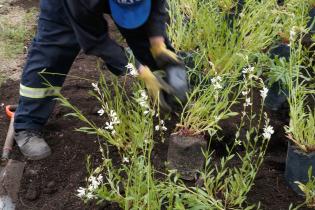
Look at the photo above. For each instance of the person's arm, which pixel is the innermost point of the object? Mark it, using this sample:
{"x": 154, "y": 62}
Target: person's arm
{"x": 156, "y": 25}
{"x": 91, "y": 29}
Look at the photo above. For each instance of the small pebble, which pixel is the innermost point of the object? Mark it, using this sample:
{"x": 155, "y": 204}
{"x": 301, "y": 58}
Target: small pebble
{"x": 51, "y": 184}
{"x": 32, "y": 172}
{"x": 50, "y": 188}
{"x": 47, "y": 190}
{"x": 31, "y": 194}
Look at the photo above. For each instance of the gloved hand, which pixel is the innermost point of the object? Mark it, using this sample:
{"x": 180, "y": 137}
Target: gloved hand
{"x": 175, "y": 70}
{"x": 156, "y": 87}
{"x": 176, "y": 77}
{"x": 163, "y": 56}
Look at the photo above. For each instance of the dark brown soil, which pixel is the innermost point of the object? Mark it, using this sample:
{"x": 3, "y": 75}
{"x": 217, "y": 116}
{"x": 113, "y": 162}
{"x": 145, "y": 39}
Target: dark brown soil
{"x": 51, "y": 184}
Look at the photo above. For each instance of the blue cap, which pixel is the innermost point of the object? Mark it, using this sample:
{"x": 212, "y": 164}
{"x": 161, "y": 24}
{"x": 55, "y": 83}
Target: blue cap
{"x": 130, "y": 14}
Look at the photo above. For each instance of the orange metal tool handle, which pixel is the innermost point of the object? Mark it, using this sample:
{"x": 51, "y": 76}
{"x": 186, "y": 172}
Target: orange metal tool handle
{"x": 9, "y": 110}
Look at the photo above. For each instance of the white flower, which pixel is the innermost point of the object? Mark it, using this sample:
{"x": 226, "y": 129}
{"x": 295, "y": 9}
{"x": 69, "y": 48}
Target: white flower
{"x": 114, "y": 118}
{"x": 247, "y": 102}
{"x": 264, "y": 92}
{"x": 132, "y": 70}
{"x": 238, "y": 142}
{"x": 89, "y": 195}
{"x": 248, "y": 70}
{"x": 116, "y": 121}
{"x": 112, "y": 114}
{"x": 101, "y": 112}
{"x": 109, "y": 126}
{"x": 217, "y": 86}
{"x": 143, "y": 101}
{"x": 217, "y": 118}
{"x": 94, "y": 182}
{"x": 100, "y": 178}
{"x": 143, "y": 104}
{"x": 293, "y": 34}
{"x": 113, "y": 133}
{"x": 96, "y": 88}
{"x": 216, "y": 82}
{"x": 81, "y": 192}
{"x": 125, "y": 160}
{"x": 144, "y": 95}
{"x": 216, "y": 79}
{"x": 268, "y": 131}
{"x": 243, "y": 113}
{"x": 245, "y": 93}
{"x": 161, "y": 126}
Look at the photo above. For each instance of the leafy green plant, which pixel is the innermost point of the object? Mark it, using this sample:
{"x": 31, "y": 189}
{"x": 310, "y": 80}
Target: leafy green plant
{"x": 132, "y": 185}
{"x": 129, "y": 128}
{"x": 224, "y": 57}
{"x": 309, "y": 189}
{"x": 225, "y": 184}
{"x": 208, "y": 105}
{"x": 302, "y": 116}
{"x": 302, "y": 123}
{"x": 128, "y": 120}
{"x": 294, "y": 16}
{"x": 227, "y": 5}
{"x": 200, "y": 26}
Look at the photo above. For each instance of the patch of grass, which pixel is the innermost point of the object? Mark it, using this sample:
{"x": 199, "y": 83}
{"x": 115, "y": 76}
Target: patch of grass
{"x": 15, "y": 32}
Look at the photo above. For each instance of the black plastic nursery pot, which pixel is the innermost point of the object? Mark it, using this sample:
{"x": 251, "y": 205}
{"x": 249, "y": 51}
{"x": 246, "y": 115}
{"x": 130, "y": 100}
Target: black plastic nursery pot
{"x": 298, "y": 163}
{"x": 186, "y": 156}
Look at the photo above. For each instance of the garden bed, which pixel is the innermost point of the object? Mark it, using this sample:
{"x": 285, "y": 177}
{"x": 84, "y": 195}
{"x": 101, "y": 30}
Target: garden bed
{"x": 52, "y": 183}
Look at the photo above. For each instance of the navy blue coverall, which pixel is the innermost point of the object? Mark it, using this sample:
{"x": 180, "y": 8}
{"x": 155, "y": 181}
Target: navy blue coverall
{"x": 64, "y": 28}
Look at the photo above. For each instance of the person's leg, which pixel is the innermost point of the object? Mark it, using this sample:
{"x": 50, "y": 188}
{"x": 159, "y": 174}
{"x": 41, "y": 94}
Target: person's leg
{"x": 53, "y": 50}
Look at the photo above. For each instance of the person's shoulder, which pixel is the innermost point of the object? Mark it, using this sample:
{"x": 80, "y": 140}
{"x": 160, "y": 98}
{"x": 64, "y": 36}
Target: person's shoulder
{"x": 94, "y": 4}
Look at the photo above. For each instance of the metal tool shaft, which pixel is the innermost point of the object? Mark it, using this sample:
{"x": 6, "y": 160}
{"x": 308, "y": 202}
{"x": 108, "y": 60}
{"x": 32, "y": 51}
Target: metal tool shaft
{"x": 8, "y": 141}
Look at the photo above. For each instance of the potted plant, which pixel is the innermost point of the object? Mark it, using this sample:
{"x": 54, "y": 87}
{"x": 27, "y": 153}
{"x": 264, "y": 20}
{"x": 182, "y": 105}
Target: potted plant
{"x": 301, "y": 146}
{"x": 207, "y": 105}
{"x": 300, "y": 131}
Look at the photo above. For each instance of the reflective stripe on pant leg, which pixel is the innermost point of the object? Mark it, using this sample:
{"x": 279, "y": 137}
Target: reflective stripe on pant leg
{"x": 54, "y": 49}
{"x": 39, "y": 92}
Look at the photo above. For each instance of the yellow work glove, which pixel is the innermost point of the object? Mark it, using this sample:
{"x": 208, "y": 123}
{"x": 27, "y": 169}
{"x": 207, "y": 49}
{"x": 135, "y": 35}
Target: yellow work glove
{"x": 155, "y": 86}
{"x": 163, "y": 56}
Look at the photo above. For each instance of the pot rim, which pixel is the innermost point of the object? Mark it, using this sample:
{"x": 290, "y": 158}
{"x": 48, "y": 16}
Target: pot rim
{"x": 304, "y": 148}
